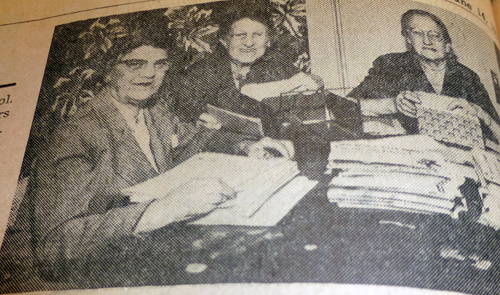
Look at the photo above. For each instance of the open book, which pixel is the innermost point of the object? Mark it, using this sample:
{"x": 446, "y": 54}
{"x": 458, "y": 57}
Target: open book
{"x": 391, "y": 108}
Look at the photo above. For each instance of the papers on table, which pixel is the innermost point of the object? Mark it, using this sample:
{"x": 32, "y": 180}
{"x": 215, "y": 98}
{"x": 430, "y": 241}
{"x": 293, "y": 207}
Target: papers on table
{"x": 408, "y": 173}
{"x": 360, "y": 198}
{"x": 488, "y": 165}
{"x": 398, "y": 150}
{"x": 428, "y": 185}
{"x": 413, "y": 151}
{"x": 414, "y": 192}
{"x": 256, "y": 181}
{"x": 270, "y": 213}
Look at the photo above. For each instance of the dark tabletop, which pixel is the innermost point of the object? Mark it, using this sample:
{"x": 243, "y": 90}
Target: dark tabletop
{"x": 315, "y": 242}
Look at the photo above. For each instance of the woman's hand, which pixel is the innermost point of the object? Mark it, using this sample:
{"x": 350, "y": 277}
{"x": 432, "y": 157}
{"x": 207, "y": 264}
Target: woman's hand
{"x": 406, "y": 103}
{"x": 195, "y": 198}
{"x": 268, "y": 148}
{"x": 208, "y": 121}
{"x": 302, "y": 82}
{"x": 299, "y": 83}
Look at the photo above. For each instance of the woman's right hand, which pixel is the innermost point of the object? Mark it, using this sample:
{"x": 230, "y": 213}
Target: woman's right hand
{"x": 406, "y": 103}
{"x": 197, "y": 197}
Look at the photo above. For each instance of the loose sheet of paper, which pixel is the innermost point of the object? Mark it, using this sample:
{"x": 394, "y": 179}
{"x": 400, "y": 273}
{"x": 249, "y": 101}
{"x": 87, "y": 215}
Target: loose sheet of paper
{"x": 254, "y": 180}
{"x": 271, "y": 212}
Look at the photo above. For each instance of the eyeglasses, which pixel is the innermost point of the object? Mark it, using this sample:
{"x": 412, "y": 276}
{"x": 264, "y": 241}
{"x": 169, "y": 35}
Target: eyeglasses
{"x": 432, "y": 36}
{"x": 138, "y": 64}
{"x": 242, "y": 36}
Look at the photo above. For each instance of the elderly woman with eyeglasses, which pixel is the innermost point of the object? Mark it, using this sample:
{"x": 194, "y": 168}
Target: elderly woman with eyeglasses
{"x": 124, "y": 136}
{"x": 243, "y": 70}
{"x": 429, "y": 65}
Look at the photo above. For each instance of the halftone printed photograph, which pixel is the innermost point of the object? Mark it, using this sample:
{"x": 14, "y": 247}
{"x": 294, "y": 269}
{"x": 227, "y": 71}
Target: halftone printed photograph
{"x": 252, "y": 141}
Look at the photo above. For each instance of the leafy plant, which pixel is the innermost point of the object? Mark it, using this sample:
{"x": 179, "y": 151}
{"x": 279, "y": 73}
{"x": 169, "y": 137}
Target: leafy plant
{"x": 193, "y": 29}
{"x": 72, "y": 92}
{"x": 289, "y": 17}
{"x": 99, "y": 37}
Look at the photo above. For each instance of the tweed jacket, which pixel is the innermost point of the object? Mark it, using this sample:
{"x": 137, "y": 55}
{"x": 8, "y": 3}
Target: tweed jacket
{"x": 75, "y": 192}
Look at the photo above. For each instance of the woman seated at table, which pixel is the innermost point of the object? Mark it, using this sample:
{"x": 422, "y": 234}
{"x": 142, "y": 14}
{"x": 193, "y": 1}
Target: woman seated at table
{"x": 242, "y": 71}
{"x": 123, "y": 136}
{"x": 429, "y": 65}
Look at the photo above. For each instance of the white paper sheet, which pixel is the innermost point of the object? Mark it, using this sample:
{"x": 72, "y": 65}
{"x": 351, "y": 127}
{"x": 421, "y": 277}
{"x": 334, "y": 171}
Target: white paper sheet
{"x": 271, "y": 212}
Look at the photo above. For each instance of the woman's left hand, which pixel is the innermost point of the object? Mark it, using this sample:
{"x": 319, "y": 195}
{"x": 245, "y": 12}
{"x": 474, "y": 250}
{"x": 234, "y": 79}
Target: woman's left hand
{"x": 268, "y": 148}
{"x": 298, "y": 83}
{"x": 462, "y": 107}
{"x": 303, "y": 82}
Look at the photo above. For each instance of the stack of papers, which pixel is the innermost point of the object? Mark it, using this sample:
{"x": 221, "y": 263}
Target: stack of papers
{"x": 487, "y": 165}
{"x": 402, "y": 173}
{"x": 396, "y": 191}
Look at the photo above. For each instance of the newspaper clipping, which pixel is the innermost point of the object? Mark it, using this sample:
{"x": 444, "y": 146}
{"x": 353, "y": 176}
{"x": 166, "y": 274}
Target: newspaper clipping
{"x": 256, "y": 146}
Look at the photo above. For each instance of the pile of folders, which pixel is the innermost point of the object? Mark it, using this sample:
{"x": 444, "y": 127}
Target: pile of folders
{"x": 399, "y": 173}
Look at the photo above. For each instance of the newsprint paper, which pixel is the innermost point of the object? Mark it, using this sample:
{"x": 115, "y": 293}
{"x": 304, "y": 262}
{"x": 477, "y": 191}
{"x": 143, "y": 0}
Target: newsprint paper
{"x": 249, "y": 147}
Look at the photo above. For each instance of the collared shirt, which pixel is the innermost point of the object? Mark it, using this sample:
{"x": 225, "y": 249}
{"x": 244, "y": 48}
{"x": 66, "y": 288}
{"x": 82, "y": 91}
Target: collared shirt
{"x": 239, "y": 74}
{"x": 134, "y": 117}
{"x": 435, "y": 75}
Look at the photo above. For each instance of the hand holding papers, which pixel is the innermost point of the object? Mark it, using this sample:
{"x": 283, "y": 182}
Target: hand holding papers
{"x": 196, "y": 197}
{"x": 255, "y": 182}
{"x": 237, "y": 123}
{"x": 406, "y": 102}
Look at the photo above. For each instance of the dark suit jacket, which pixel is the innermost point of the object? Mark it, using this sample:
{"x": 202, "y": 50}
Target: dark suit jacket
{"x": 394, "y": 73}
{"x": 211, "y": 82}
{"x": 87, "y": 161}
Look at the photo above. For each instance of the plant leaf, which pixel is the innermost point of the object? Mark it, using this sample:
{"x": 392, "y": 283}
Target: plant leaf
{"x": 61, "y": 81}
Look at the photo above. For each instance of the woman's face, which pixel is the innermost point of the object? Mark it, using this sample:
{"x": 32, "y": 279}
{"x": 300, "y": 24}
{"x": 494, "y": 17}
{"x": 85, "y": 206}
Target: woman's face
{"x": 247, "y": 41}
{"x": 426, "y": 38}
{"x": 138, "y": 75}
